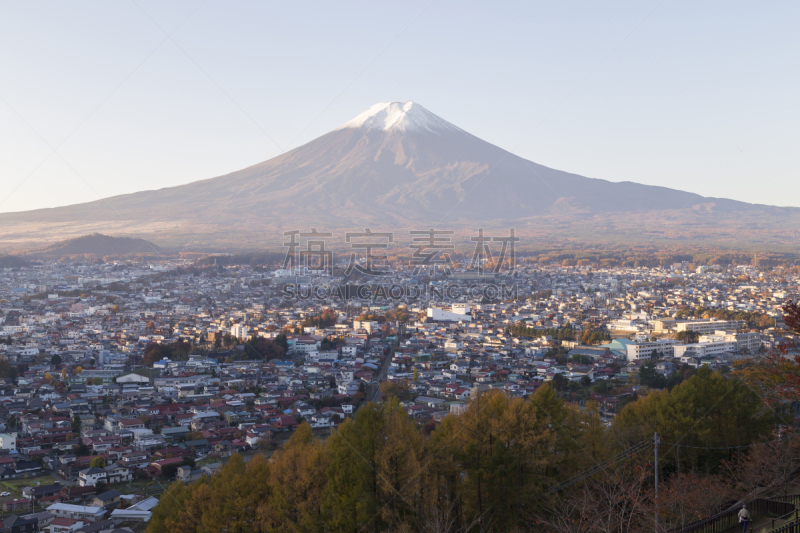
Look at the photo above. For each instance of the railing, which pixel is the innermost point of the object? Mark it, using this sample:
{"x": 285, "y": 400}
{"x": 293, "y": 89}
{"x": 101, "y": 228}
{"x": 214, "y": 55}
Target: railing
{"x": 790, "y": 527}
{"x": 727, "y": 519}
{"x": 791, "y": 498}
{"x": 793, "y": 518}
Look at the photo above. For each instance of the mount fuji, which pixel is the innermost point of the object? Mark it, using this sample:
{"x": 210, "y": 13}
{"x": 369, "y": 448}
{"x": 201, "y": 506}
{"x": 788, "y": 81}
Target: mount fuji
{"x": 398, "y": 165}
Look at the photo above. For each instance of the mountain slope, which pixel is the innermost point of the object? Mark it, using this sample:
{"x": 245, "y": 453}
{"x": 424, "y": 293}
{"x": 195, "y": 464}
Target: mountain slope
{"x": 395, "y": 165}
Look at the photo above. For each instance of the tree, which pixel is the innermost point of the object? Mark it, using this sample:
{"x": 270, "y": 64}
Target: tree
{"x": 7, "y": 370}
{"x": 297, "y": 481}
{"x": 687, "y": 336}
{"x": 394, "y": 389}
{"x": 650, "y": 377}
{"x": 261, "y": 348}
{"x": 282, "y": 341}
{"x": 63, "y": 374}
{"x": 373, "y": 477}
{"x": 415, "y": 374}
{"x": 765, "y": 468}
{"x": 685, "y": 497}
{"x": 693, "y": 418}
{"x": 777, "y": 372}
{"x": 617, "y": 501}
{"x": 55, "y": 360}
{"x": 559, "y": 382}
{"x": 79, "y": 370}
{"x": 76, "y": 424}
{"x": 97, "y": 462}
{"x": 48, "y": 377}
{"x": 171, "y": 511}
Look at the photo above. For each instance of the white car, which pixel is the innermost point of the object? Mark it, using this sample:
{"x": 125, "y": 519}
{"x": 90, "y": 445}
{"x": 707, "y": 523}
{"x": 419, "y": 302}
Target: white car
{"x": 5, "y": 494}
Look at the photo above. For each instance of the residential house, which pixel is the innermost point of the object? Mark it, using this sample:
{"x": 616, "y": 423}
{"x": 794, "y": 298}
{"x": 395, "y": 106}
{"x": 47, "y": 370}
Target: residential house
{"x": 16, "y": 524}
{"x": 107, "y": 500}
{"x": 90, "y": 476}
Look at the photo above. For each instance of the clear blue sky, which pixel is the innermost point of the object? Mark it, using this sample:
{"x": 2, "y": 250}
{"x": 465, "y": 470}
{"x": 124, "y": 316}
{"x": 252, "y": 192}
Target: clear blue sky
{"x": 560, "y": 83}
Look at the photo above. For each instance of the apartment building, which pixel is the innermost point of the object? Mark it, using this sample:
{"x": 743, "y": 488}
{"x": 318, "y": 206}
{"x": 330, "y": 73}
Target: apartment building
{"x": 644, "y": 350}
{"x": 704, "y": 327}
{"x": 705, "y": 349}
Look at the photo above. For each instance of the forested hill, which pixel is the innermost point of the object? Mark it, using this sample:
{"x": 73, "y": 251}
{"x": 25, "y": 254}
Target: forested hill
{"x": 489, "y": 468}
{"x": 12, "y": 261}
{"x": 99, "y": 245}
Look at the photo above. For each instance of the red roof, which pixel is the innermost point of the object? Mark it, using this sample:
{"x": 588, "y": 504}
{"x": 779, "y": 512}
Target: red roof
{"x": 166, "y": 462}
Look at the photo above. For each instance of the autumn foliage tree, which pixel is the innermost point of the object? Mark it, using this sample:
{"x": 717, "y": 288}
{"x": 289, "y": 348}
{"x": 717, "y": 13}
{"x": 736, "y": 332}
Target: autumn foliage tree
{"x": 261, "y": 348}
{"x": 687, "y": 497}
{"x": 777, "y": 372}
{"x": 490, "y": 468}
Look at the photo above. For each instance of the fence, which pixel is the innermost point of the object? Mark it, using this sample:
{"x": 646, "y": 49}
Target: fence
{"x": 728, "y": 519}
{"x": 791, "y": 527}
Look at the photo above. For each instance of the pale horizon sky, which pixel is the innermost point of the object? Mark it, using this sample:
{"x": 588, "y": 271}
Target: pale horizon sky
{"x": 698, "y": 96}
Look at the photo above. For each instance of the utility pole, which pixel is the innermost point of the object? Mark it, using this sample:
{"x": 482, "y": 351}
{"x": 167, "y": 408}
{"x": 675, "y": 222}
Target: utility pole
{"x": 656, "y": 440}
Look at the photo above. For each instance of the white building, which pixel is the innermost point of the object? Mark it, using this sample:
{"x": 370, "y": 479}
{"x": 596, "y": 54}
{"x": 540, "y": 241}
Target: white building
{"x": 350, "y": 351}
{"x": 90, "y": 476}
{"x": 453, "y": 346}
{"x": 745, "y": 342}
{"x": 305, "y": 345}
{"x": 457, "y": 313}
{"x": 133, "y": 378}
{"x": 240, "y": 331}
{"x": 368, "y": 325}
{"x": 349, "y": 388}
{"x": 709, "y": 326}
{"x": 8, "y": 441}
{"x": 644, "y": 350}
{"x": 705, "y": 349}
{"x": 626, "y": 325}
{"x": 77, "y": 511}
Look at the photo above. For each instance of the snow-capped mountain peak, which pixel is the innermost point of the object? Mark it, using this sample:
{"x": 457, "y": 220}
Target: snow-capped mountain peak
{"x": 399, "y": 116}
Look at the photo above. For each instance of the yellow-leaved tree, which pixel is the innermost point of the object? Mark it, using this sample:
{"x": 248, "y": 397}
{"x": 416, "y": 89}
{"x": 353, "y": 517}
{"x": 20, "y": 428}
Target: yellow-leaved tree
{"x": 297, "y": 480}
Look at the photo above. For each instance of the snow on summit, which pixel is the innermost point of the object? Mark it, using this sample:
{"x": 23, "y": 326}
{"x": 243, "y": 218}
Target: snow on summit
{"x": 399, "y": 116}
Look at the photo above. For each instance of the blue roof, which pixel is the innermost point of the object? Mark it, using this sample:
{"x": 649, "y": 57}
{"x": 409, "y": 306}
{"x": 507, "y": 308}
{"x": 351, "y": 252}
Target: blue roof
{"x": 619, "y": 346}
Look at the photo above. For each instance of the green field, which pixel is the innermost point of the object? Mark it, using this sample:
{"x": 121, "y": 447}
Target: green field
{"x": 15, "y": 486}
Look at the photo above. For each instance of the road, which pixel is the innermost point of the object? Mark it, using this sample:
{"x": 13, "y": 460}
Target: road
{"x": 383, "y": 371}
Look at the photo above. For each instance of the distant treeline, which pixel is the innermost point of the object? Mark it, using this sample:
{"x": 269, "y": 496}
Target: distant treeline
{"x": 561, "y": 334}
{"x": 251, "y": 259}
{"x": 652, "y": 257}
{"x": 589, "y": 336}
{"x": 755, "y": 320}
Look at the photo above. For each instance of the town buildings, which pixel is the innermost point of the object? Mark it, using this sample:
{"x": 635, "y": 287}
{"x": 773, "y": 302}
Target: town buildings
{"x": 93, "y": 369}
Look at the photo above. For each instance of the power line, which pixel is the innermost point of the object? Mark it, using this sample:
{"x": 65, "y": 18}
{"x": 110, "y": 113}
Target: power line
{"x": 630, "y": 452}
{"x": 722, "y": 447}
